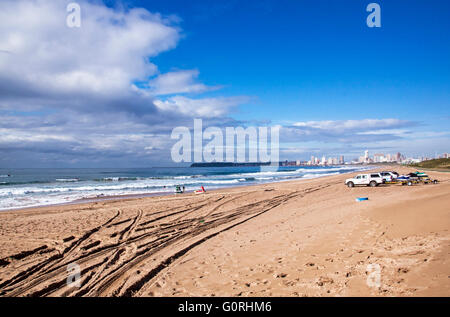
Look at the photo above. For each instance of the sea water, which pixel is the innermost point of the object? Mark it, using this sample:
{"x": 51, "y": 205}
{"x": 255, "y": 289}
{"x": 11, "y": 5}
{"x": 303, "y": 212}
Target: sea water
{"x": 21, "y": 188}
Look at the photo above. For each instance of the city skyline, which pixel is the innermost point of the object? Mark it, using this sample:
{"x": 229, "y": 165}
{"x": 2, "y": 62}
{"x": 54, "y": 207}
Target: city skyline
{"x": 366, "y": 158}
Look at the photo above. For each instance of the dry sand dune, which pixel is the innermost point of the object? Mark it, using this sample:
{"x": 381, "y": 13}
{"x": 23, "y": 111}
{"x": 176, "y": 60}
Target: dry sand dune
{"x": 296, "y": 238}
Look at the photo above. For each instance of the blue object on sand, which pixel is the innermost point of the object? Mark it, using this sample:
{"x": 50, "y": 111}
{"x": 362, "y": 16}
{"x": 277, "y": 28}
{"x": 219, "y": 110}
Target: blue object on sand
{"x": 362, "y": 198}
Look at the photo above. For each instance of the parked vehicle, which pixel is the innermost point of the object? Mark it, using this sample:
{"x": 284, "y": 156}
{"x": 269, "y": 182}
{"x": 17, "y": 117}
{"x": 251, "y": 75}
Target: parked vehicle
{"x": 424, "y": 178}
{"x": 406, "y": 180}
{"x": 415, "y": 178}
{"x": 389, "y": 176}
{"x": 373, "y": 179}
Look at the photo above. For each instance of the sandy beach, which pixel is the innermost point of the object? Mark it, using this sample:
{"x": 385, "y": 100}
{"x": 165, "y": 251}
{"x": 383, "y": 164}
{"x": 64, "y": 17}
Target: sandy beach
{"x": 294, "y": 238}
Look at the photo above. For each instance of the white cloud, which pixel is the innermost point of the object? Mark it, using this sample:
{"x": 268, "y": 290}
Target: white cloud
{"x": 364, "y": 124}
{"x": 104, "y": 56}
{"x": 178, "y": 82}
{"x": 73, "y": 92}
{"x": 7, "y": 135}
{"x": 347, "y": 131}
{"x": 206, "y": 107}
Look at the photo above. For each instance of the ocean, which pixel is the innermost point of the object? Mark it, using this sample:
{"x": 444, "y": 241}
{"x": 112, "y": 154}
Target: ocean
{"x": 20, "y": 188}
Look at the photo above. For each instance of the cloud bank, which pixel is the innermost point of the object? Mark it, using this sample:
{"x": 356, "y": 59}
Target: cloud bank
{"x": 92, "y": 93}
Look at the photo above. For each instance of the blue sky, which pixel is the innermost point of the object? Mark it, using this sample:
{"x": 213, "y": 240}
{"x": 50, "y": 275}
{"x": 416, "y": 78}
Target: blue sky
{"x": 309, "y": 64}
{"x": 318, "y": 59}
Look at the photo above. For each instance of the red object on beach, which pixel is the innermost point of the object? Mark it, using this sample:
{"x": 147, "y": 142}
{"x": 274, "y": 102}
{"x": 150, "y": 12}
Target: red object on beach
{"x": 202, "y": 190}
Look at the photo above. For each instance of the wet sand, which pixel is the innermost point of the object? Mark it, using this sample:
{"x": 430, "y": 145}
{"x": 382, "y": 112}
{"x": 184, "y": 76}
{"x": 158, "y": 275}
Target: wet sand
{"x": 295, "y": 238}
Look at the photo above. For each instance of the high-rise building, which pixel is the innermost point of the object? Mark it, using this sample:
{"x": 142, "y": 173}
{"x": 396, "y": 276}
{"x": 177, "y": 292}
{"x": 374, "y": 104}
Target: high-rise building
{"x": 341, "y": 159}
{"x": 366, "y": 156}
{"x": 378, "y": 157}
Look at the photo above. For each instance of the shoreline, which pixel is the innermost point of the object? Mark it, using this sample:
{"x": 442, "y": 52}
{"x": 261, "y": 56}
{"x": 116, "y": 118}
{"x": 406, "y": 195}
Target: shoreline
{"x": 143, "y": 195}
{"x": 290, "y": 238}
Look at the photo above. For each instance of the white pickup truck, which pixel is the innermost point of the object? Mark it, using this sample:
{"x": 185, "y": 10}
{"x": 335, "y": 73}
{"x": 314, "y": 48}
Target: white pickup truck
{"x": 389, "y": 176}
{"x": 373, "y": 179}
